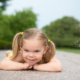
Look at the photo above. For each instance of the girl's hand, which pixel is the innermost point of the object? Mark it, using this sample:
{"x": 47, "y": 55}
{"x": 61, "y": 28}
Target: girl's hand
{"x": 25, "y": 66}
{"x": 35, "y": 66}
{"x": 29, "y": 67}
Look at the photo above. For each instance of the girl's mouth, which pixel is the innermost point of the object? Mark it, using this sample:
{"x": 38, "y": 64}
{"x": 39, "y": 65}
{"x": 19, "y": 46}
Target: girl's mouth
{"x": 31, "y": 60}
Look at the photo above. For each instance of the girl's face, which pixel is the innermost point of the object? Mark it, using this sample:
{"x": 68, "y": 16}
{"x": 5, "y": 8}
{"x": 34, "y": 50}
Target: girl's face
{"x": 33, "y": 51}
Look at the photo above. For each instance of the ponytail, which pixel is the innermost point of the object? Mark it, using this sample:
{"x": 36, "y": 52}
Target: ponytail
{"x": 16, "y": 45}
{"x": 50, "y": 52}
{"x": 52, "y": 48}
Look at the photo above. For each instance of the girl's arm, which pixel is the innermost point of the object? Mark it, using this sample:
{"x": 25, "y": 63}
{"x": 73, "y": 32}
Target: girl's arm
{"x": 54, "y": 65}
{"x": 7, "y": 64}
{"x": 51, "y": 66}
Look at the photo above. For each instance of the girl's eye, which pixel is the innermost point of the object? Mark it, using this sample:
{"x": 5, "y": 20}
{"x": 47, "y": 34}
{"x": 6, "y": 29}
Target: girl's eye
{"x": 36, "y": 51}
{"x": 26, "y": 50}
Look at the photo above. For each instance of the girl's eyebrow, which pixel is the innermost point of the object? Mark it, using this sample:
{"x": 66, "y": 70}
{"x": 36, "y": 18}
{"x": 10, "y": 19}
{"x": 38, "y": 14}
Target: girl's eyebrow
{"x": 34, "y": 50}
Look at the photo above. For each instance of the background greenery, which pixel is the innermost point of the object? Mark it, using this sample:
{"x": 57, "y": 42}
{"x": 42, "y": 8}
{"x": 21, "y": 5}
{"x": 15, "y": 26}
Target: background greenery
{"x": 4, "y": 4}
{"x": 64, "y": 32}
{"x": 12, "y": 24}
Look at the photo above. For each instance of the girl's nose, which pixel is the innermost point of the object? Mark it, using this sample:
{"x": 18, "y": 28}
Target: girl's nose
{"x": 31, "y": 54}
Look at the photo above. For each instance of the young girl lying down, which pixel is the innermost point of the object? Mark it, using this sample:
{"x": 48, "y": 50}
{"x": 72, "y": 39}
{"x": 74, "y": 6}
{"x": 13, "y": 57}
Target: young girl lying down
{"x": 32, "y": 51}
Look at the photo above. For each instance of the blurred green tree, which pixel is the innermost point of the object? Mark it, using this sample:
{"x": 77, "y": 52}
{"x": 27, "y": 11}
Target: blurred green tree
{"x": 3, "y": 4}
{"x": 19, "y": 22}
{"x": 22, "y": 20}
{"x": 63, "y": 31}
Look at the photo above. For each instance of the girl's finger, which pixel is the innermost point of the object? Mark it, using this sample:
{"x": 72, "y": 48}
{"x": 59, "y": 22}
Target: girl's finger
{"x": 29, "y": 67}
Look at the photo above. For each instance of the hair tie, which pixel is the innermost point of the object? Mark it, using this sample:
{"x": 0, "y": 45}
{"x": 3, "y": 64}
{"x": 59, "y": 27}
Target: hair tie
{"x": 22, "y": 33}
{"x": 48, "y": 40}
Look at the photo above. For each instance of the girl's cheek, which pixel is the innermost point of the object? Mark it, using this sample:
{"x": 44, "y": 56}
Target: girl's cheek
{"x": 24, "y": 55}
{"x": 39, "y": 57}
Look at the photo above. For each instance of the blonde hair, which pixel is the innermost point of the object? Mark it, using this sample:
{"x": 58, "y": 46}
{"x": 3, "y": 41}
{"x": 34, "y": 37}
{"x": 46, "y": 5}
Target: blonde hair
{"x": 30, "y": 34}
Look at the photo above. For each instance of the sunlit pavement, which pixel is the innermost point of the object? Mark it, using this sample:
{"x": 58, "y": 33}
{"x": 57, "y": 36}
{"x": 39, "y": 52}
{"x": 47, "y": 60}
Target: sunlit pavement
{"x": 70, "y": 64}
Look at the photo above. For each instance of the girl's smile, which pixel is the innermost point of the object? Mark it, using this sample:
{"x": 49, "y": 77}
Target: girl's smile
{"x": 31, "y": 60}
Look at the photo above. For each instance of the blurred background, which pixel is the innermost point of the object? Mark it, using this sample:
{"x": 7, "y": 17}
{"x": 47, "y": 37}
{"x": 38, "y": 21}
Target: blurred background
{"x": 59, "y": 20}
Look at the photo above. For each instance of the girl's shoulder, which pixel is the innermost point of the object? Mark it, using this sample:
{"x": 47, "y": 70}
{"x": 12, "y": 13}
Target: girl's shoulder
{"x": 54, "y": 59}
{"x": 18, "y": 58}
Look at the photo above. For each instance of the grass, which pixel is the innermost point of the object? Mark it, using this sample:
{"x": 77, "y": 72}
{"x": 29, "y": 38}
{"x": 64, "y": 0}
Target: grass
{"x": 69, "y": 50}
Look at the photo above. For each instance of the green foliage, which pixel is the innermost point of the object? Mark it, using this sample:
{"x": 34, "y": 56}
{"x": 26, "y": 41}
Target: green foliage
{"x": 12, "y": 24}
{"x": 4, "y": 4}
{"x": 63, "y": 31}
{"x": 5, "y": 45}
{"x": 5, "y": 32}
{"x": 22, "y": 21}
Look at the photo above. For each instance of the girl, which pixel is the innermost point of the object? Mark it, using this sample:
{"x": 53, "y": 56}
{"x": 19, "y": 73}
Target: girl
{"x": 33, "y": 51}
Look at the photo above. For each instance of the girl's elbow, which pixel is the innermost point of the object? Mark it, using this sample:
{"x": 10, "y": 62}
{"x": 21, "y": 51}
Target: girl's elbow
{"x": 2, "y": 65}
{"x": 59, "y": 68}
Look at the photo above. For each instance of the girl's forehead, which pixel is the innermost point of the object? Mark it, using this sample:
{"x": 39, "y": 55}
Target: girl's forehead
{"x": 32, "y": 43}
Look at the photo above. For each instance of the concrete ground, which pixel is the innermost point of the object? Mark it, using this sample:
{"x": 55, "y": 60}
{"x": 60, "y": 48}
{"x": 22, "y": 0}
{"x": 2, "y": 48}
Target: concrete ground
{"x": 70, "y": 63}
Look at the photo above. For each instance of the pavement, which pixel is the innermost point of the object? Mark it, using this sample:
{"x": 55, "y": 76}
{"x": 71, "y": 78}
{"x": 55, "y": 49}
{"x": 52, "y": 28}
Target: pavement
{"x": 70, "y": 69}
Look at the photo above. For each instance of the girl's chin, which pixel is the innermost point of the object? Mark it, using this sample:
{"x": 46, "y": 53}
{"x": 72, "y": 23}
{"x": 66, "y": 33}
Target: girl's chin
{"x": 31, "y": 64}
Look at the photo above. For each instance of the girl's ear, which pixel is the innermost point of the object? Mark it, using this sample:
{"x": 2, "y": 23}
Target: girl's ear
{"x": 45, "y": 49}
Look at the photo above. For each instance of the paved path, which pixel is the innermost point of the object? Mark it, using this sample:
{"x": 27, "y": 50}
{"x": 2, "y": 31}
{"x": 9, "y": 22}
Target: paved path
{"x": 70, "y": 63}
